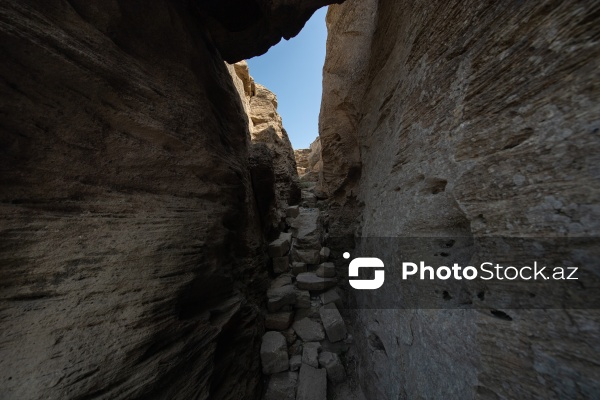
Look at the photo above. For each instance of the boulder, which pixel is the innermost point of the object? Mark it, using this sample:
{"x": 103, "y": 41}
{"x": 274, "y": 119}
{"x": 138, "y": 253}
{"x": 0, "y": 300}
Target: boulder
{"x": 324, "y": 254}
{"x": 292, "y": 212}
{"x": 273, "y": 353}
{"x": 312, "y": 383}
{"x": 331, "y": 296}
{"x": 280, "y": 246}
{"x": 310, "y": 354}
{"x": 282, "y": 386}
{"x": 279, "y": 321}
{"x": 333, "y": 323}
{"x": 309, "y": 330}
{"x": 306, "y": 229}
{"x": 326, "y": 270}
{"x": 281, "y": 264}
{"x": 302, "y": 299}
{"x": 307, "y": 256}
{"x": 280, "y": 297}
{"x": 298, "y": 268}
{"x": 281, "y": 281}
{"x": 335, "y": 370}
{"x": 295, "y": 362}
{"x": 310, "y": 281}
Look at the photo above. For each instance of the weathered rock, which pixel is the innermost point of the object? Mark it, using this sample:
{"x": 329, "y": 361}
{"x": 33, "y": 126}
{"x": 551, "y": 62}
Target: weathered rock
{"x": 273, "y": 353}
{"x": 296, "y": 348}
{"x": 333, "y": 323}
{"x": 295, "y": 362}
{"x": 310, "y": 281}
{"x": 281, "y": 281}
{"x": 309, "y": 162}
{"x": 455, "y": 133}
{"x": 312, "y": 383}
{"x": 280, "y": 297}
{"x": 324, "y": 254}
{"x": 326, "y": 270}
{"x": 280, "y": 246}
{"x": 309, "y": 330}
{"x": 281, "y": 264}
{"x": 308, "y": 256}
{"x": 306, "y": 229}
{"x": 310, "y": 354}
{"x": 331, "y": 296}
{"x": 282, "y": 386}
{"x": 333, "y": 365}
{"x": 303, "y": 299}
{"x": 298, "y": 268}
{"x": 290, "y": 336}
{"x": 279, "y": 321}
{"x": 292, "y": 211}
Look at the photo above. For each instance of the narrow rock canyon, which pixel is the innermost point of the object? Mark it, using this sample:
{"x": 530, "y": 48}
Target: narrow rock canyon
{"x": 161, "y": 239}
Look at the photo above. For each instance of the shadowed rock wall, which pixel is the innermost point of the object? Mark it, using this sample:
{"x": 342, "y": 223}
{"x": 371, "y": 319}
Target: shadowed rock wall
{"x": 465, "y": 119}
{"x": 132, "y": 260}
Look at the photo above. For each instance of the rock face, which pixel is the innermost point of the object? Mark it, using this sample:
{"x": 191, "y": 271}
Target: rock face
{"x": 129, "y": 210}
{"x": 268, "y": 136}
{"x": 309, "y": 162}
{"x": 464, "y": 119}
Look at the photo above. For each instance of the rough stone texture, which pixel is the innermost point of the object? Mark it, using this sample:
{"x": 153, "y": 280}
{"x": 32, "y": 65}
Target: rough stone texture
{"x": 268, "y": 135}
{"x": 295, "y": 362}
{"x": 282, "y": 386}
{"x": 245, "y": 28}
{"x": 281, "y": 264}
{"x": 326, "y": 270}
{"x": 309, "y": 163}
{"x": 302, "y": 299}
{"x": 333, "y": 365}
{"x": 279, "y": 321}
{"x": 309, "y": 330}
{"x": 273, "y": 353}
{"x": 312, "y": 383}
{"x": 280, "y": 297}
{"x": 280, "y": 246}
{"x": 331, "y": 296}
{"x": 310, "y": 281}
{"x": 465, "y": 118}
{"x": 324, "y": 254}
{"x": 281, "y": 281}
{"x": 333, "y": 323}
{"x": 310, "y": 354}
{"x": 298, "y": 268}
{"x": 126, "y": 207}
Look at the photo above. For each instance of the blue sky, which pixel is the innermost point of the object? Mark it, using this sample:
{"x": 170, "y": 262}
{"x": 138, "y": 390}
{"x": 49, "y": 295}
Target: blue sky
{"x": 293, "y": 70}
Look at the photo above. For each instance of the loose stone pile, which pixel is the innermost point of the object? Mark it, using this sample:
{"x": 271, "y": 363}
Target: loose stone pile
{"x": 306, "y": 334}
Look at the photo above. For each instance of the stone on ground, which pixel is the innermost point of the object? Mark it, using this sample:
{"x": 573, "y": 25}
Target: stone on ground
{"x": 280, "y": 297}
{"x": 295, "y": 362}
{"x": 281, "y": 281}
{"x": 273, "y": 353}
{"x": 279, "y": 321}
{"x": 333, "y": 323}
{"x": 312, "y": 383}
{"x": 331, "y": 296}
{"x": 310, "y": 354}
{"x": 292, "y": 212}
{"x": 281, "y": 264}
{"x": 335, "y": 370}
{"x": 309, "y": 330}
{"x": 310, "y": 281}
{"x": 302, "y": 299}
{"x": 324, "y": 254}
{"x": 280, "y": 246}
{"x": 298, "y": 268}
{"x": 306, "y": 228}
{"x": 307, "y": 256}
{"x": 282, "y": 386}
{"x": 326, "y": 270}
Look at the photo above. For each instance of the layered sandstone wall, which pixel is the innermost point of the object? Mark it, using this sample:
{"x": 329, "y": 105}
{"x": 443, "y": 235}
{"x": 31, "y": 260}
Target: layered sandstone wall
{"x": 465, "y": 119}
{"x": 133, "y": 261}
{"x": 309, "y": 162}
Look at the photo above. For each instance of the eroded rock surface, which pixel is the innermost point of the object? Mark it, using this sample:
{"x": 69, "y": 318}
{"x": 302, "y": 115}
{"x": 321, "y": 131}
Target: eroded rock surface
{"x": 464, "y": 119}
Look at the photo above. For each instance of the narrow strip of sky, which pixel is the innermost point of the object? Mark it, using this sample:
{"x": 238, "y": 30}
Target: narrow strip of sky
{"x": 293, "y": 70}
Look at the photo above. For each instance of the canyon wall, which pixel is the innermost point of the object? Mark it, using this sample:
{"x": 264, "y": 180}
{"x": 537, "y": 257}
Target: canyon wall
{"x": 465, "y": 120}
{"x": 133, "y": 260}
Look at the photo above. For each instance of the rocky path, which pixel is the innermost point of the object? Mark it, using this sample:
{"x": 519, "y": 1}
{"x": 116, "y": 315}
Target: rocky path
{"x": 306, "y": 338}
